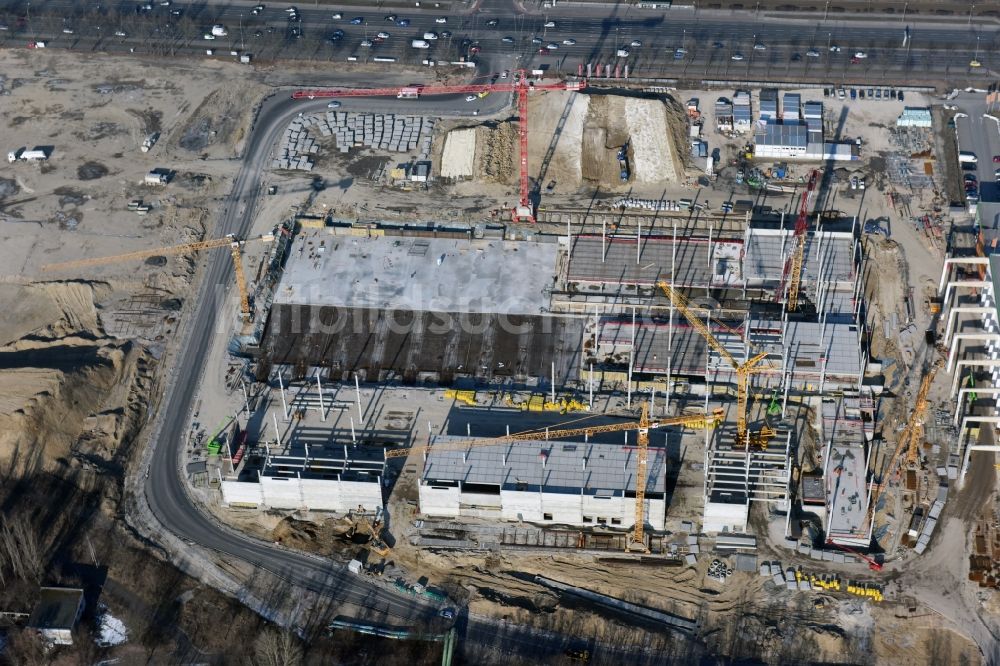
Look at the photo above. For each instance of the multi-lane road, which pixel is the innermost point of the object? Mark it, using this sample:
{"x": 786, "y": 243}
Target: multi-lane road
{"x": 659, "y": 43}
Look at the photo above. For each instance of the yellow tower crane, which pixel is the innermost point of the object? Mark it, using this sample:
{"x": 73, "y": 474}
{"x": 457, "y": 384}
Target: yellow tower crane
{"x": 234, "y": 244}
{"x": 908, "y": 443}
{"x": 744, "y": 438}
{"x": 636, "y": 540}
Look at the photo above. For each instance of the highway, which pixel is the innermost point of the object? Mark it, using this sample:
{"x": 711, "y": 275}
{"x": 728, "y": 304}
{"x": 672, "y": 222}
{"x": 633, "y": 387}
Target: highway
{"x": 713, "y": 45}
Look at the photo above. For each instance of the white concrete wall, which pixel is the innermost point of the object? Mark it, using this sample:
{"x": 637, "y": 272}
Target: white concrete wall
{"x": 314, "y": 494}
{"x": 564, "y": 508}
{"x": 281, "y": 492}
{"x": 439, "y": 501}
{"x": 720, "y": 517}
{"x": 242, "y": 492}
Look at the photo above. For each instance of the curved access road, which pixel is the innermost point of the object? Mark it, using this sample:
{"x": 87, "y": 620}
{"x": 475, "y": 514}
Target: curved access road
{"x": 165, "y": 488}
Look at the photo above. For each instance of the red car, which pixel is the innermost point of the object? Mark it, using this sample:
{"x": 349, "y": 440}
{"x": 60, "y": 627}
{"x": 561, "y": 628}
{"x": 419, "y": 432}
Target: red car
{"x": 996, "y": 159}
{"x": 543, "y": 51}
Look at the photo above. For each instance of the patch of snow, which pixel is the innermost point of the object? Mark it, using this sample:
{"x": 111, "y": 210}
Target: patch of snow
{"x": 111, "y": 631}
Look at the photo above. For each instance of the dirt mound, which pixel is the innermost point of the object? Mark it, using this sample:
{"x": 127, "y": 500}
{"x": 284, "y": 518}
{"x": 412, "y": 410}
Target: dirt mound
{"x": 312, "y": 537}
{"x": 495, "y": 153}
{"x": 68, "y": 395}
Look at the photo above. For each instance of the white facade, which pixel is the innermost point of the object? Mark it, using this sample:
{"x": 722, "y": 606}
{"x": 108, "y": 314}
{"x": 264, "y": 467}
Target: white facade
{"x": 971, "y": 332}
{"x": 583, "y": 484}
{"x": 528, "y": 506}
{"x": 303, "y": 493}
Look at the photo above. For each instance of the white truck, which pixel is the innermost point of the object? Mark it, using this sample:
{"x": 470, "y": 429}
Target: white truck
{"x": 967, "y": 156}
{"x": 36, "y": 154}
{"x": 420, "y": 44}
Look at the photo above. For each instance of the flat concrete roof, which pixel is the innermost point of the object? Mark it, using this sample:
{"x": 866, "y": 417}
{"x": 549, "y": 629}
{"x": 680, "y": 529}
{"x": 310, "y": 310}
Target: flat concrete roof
{"x": 57, "y": 608}
{"x": 829, "y": 255}
{"x": 419, "y": 274}
{"x": 845, "y": 473}
{"x": 609, "y": 468}
{"x": 693, "y": 261}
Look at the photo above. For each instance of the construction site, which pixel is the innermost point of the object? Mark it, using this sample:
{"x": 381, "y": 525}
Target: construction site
{"x": 516, "y": 360}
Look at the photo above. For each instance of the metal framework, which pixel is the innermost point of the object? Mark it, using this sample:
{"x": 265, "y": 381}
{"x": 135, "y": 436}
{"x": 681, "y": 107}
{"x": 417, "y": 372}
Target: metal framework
{"x": 792, "y": 272}
{"x": 524, "y": 212}
{"x": 743, "y": 370}
{"x": 235, "y": 249}
{"x": 908, "y": 444}
{"x": 636, "y": 541}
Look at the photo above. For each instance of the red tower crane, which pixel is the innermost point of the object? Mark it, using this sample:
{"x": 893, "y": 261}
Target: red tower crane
{"x": 792, "y": 273}
{"x": 524, "y": 211}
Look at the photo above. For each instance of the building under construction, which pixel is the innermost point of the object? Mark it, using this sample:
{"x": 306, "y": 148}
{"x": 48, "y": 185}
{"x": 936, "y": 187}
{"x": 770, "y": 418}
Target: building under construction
{"x": 584, "y": 313}
{"x": 544, "y": 482}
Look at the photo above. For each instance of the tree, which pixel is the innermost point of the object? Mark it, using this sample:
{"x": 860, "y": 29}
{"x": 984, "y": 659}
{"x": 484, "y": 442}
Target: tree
{"x": 277, "y": 648}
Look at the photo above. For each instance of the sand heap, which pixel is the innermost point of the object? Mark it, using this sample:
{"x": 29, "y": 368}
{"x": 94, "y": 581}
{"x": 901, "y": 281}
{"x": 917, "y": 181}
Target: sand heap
{"x": 69, "y": 395}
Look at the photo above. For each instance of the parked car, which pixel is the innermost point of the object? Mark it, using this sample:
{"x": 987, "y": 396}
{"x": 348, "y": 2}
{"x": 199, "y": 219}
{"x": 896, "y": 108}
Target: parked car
{"x": 569, "y": 42}
{"x": 550, "y": 24}
{"x": 737, "y": 57}
{"x": 441, "y": 19}
{"x": 636, "y": 43}
{"x": 507, "y": 40}
{"x": 812, "y": 53}
{"x": 357, "y": 20}
{"x": 471, "y": 98}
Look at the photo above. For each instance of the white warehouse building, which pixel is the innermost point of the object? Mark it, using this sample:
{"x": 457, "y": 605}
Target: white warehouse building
{"x": 336, "y": 478}
{"x": 544, "y": 482}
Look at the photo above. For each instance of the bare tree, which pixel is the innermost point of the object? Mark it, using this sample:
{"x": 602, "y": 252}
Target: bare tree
{"x": 20, "y": 554}
{"x": 277, "y": 648}
{"x": 25, "y": 648}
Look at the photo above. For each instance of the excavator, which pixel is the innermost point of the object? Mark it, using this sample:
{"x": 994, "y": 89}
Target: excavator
{"x": 361, "y": 524}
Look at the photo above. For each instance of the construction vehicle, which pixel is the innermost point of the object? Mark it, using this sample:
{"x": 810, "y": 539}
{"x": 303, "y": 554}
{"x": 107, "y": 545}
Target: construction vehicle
{"x": 235, "y": 247}
{"x": 360, "y": 523}
{"x": 623, "y": 162}
{"x": 524, "y": 211}
{"x": 792, "y": 272}
{"x": 636, "y": 540}
{"x": 744, "y": 438}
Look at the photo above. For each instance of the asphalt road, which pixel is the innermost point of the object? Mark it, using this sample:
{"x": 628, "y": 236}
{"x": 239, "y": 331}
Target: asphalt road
{"x": 980, "y": 135}
{"x": 164, "y": 487}
{"x": 715, "y": 45}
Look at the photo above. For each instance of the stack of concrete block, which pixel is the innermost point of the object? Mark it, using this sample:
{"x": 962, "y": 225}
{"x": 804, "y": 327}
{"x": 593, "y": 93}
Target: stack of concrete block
{"x": 398, "y": 134}
{"x": 295, "y": 146}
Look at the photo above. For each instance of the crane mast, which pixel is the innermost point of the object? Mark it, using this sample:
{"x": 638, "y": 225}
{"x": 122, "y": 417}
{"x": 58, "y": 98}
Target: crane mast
{"x": 792, "y": 272}
{"x": 235, "y": 250}
{"x": 743, "y": 370}
{"x": 636, "y": 541}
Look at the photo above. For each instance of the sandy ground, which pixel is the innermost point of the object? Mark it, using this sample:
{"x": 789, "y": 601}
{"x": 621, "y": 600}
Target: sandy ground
{"x": 459, "y": 153}
{"x": 95, "y": 115}
{"x": 647, "y": 125}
